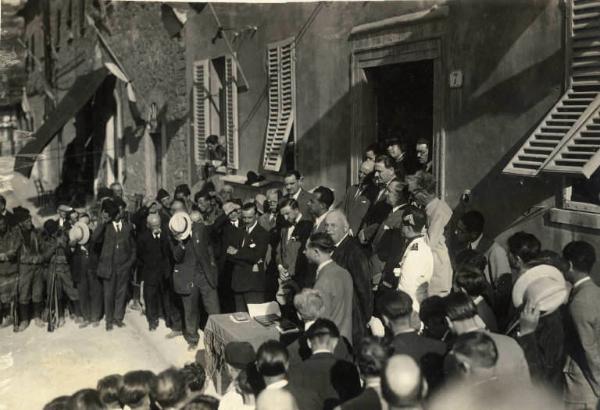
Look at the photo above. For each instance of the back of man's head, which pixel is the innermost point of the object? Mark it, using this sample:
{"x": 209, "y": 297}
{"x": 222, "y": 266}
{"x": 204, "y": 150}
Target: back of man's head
{"x": 272, "y": 359}
{"x": 471, "y": 280}
{"x": 309, "y": 304}
{"x": 170, "y": 388}
{"x": 581, "y": 255}
{"x": 326, "y": 196}
{"x": 402, "y": 384}
{"x": 323, "y": 334}
{"x": 474, "y": 353}
{"x": 137, "y": 385}
{"x": 459, "y": 306}
{"x": 524, "y": 245}
{"x": 371, "y": 356}
{"x": 195, "y": 377}
{"x": 109, "y": 387}
{"x": 473, "y": 221}
{"x": 321, "y": 241}
{"x": 396, "y": 305}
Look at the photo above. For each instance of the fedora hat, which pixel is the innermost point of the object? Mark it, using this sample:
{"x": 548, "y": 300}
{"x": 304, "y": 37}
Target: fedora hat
{"x": 180, "y": 225}
{"x": 543, "y": 286}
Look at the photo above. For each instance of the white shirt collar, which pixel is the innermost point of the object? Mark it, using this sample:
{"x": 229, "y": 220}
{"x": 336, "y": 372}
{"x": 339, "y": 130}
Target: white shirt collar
{"x": 278, "y": 385}
{"x": 299, "y": 217}
{"x": 341, "y": 240}
{"x": 394, "y": 209}
{"x": 235, "y": 223}
{"x": 373, "y": 382}
{"x": 321, "y": 351}
{"x": 249, "y": 230}
{"x": 297, "y": 194}
{"x": 321, "y": 219}
{"x": 475, "y": 243}
{"x": 117, "y": 224}
{"x": 322, "y": 265}
{"x": 580, "y": 281}
{"x": 308, "y": 324}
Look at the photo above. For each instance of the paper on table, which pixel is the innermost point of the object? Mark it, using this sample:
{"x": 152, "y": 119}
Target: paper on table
{"x": 264, "y": 309}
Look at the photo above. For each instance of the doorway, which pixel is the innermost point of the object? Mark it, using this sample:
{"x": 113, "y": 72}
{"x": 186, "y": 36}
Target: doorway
{"x": 403, "y": 104}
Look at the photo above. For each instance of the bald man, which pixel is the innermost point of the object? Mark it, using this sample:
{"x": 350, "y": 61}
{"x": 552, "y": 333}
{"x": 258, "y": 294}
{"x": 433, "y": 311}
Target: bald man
{"x": 359, "y": 197}
{"x": 349, "y": 255}
{"x": 154, "y": 267}
{"x": 402, "y": 384}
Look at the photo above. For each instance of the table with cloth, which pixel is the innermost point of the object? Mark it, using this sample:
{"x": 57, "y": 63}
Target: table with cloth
{"x": 220, "y": 330}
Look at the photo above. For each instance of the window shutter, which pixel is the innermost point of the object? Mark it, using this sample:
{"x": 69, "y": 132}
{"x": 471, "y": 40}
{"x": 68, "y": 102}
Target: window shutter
{"x": 231, "y": 119}
{"x": 568, "y": 139}
{"x": 201, "y": 110}
{"x": 282, "y": 102}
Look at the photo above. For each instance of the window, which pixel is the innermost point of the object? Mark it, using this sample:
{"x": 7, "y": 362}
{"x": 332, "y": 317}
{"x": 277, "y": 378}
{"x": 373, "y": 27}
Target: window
{"x": 215, "y": 108}
{"x": 281, "y": 90}
{"x": 567, "y": 141}
{"x": 582, "y": 194}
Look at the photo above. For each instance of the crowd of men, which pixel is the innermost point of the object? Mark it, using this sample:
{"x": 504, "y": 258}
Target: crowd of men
{"x": 395, "y": 297}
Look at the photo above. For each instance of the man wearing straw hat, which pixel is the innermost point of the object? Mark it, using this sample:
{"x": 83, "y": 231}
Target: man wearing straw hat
{"x": 85, "y": 262}
{"x": 194, "y": 273}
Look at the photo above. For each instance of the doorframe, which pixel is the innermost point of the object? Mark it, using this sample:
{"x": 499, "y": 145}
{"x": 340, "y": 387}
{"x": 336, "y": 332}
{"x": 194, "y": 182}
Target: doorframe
{"x": 402, "y": 39}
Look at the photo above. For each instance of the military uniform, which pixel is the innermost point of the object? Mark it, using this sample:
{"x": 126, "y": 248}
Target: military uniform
{"x": 415, "y": 270}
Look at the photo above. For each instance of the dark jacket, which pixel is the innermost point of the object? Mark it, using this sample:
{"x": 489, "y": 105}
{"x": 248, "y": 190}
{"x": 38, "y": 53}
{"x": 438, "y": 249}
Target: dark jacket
{"x": 356, "y": 204}
{"x": 299, "y": 351}
{"x": 118, "y": 252}
{"x": 249, "y": 262}
{"x": 10, "y": 243}
{"x": 290, "y": 252}
{"x": 350, "y": 256}
{"x": 154, "y": 257}
{"x": 429, "y": 353}
{"x": 369, "y": 399}
{"x": 545, "y": 350}
{"x": 335, "y": 381}
{"x": 194, "y": 255}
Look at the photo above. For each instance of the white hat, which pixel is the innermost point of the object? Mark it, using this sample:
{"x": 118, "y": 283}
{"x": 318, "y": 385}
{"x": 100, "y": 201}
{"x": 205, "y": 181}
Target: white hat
{"x": 64, "y": 208}
{"x": 180, "y": 225}
{"x": 79, "y": 233}
{"x": 544, "y": 286}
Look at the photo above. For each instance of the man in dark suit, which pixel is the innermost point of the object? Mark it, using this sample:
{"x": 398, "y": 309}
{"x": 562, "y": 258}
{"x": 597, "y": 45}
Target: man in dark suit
{"x": 359, "y": 197}
{"x": 335, "y": 381}
{"x": 272, "y": 364}
{"x": 396, "y": 308}
{"x": 349, "y": 255}
{"x": 582, "y": 370}
{"x": 116, "y": 259}
{"x": 333, "y": 281}
{"x": 154, "y": 267}
{"x": 227, "y": 231}
{"x": 372, "y": 355}
{"x": 248, "y": 277}
{"x": 289, "y": 257}
{"x": 319, "y": 207}
{"x": 385, "y": 173}
{"x": 293, "y": 189}
{"x": 194, "y": 273}
{"x": 6, "y": 214}
{"x": 388, "y": 243}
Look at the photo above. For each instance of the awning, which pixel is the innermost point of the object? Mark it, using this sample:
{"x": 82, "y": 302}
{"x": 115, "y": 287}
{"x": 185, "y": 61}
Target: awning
{"x": 80, "y": 93}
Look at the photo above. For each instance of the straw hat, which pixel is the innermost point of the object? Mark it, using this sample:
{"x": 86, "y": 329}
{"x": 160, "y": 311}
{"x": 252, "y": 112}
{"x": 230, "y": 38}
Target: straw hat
{"x": 544, "y": 286}
{"x": 180, "y": 225}
{"x": 79, "y": 233}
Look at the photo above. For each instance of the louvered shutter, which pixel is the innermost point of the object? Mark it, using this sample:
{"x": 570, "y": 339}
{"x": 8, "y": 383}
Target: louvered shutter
{"x": 282, "y": 102}
{"x": 568, "y": 139}
{"x": 201, "y": 110}
{"x": 231, "y": 119}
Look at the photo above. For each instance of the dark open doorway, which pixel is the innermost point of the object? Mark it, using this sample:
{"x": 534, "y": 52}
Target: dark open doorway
{"x": 404, "y": 103}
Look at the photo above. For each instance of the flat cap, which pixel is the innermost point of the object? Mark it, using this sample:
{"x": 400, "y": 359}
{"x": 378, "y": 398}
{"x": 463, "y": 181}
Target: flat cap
{"x": 239, "y": 354}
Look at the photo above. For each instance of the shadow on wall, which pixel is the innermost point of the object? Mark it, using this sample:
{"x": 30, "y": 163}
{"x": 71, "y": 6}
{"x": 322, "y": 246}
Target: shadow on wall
{"x": 500, "y": 197}
{"x": 323, "y": 150}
